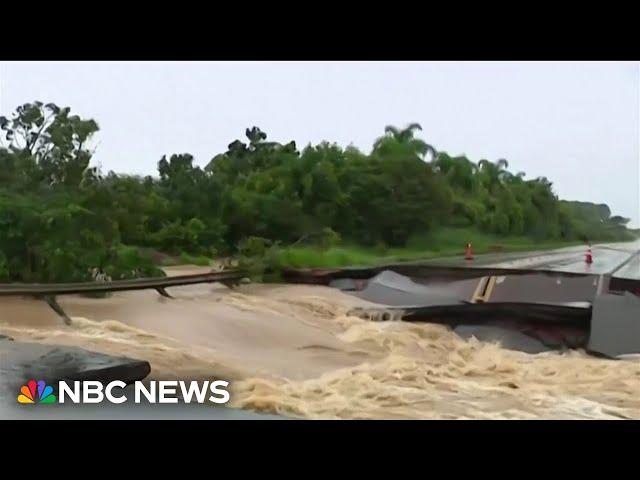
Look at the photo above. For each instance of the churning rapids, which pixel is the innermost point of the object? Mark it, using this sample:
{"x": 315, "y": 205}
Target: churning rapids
{"x": 292, "y": 350}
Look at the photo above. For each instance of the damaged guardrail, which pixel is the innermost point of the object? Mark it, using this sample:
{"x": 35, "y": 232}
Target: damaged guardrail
{"x": 49, "y": 291}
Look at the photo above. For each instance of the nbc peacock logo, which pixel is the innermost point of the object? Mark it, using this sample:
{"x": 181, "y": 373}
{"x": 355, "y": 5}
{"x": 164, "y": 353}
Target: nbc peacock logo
{"x": 36, "y": 392}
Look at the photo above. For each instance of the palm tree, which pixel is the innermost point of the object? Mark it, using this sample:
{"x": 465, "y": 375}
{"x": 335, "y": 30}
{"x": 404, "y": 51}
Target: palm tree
{"x": 503, "y": 173}
{"x": 502, "y": 164}
{"x": 444, "y": 163}
{"x": 510, "y": 178}
{"x": 459, "y": 170}
{"x": 403, "y": 138}
{"x": 493, "y": 172}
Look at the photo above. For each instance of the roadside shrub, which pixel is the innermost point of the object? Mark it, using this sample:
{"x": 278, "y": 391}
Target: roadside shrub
{"x": 257, "y": 256}
{"x": 199, "y": 260}
{"x": 128, "y": 262}
{"x": 329, "y": 238}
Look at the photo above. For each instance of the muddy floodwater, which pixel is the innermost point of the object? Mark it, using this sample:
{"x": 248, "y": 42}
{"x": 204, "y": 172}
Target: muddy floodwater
{"x": 292, "y": 350}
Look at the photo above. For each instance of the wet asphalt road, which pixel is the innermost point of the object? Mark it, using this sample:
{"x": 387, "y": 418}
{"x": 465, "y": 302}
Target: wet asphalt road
{"x": 621, "y": 260}
{"x": 606, "y": 259}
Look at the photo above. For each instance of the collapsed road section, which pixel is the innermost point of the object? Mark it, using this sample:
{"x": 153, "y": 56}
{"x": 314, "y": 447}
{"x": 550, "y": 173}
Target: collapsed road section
{"x": 599, "y": 312}
{"x": 528, "y": 310}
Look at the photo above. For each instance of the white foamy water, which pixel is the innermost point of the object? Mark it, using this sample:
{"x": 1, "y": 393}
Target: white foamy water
{"x": 292, "y": 350}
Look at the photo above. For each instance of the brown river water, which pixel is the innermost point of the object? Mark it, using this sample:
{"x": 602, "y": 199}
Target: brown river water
{"x": 292, "y": 350}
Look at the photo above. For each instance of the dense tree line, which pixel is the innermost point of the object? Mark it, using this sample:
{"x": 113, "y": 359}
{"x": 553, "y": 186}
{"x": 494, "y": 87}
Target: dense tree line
{"x": 62, "y": 219}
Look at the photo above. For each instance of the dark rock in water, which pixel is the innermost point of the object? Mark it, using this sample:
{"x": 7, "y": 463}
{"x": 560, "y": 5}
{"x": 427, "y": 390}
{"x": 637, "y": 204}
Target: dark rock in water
{"x": 506, "y": 337}
{"x": 391, "y": 288}
{"x": 20, "y": 362}
{"x": 5, "y": 338}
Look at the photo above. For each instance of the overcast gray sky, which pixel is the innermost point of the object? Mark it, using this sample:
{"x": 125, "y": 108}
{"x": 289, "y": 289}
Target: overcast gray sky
{"x": 576, "y": 123}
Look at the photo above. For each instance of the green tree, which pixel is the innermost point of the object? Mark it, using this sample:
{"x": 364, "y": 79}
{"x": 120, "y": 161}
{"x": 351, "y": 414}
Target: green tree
{"x": 398, "y": 141}
{"x": 52, "y": 139}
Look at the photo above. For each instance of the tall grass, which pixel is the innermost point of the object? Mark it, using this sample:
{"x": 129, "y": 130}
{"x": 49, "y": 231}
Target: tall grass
{"x": 441, "y": 243}
{"x": 168, "y": 260}
{"x": 199, "y": 260}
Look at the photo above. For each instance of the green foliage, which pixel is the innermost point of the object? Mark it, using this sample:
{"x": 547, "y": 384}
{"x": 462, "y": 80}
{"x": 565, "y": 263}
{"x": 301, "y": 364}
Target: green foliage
{"x": 50, "y": 143}
{"x": 257, "y": 256}
{"x": 438, "y": 243}
{"x": 329, "y": 238}
{"x": 296, "y": 257}
{"x": 63, "y": 220}
{"x": 199, "y": 260}
{"x": 130, "y": 262}
{"x": 4, "y": 268}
